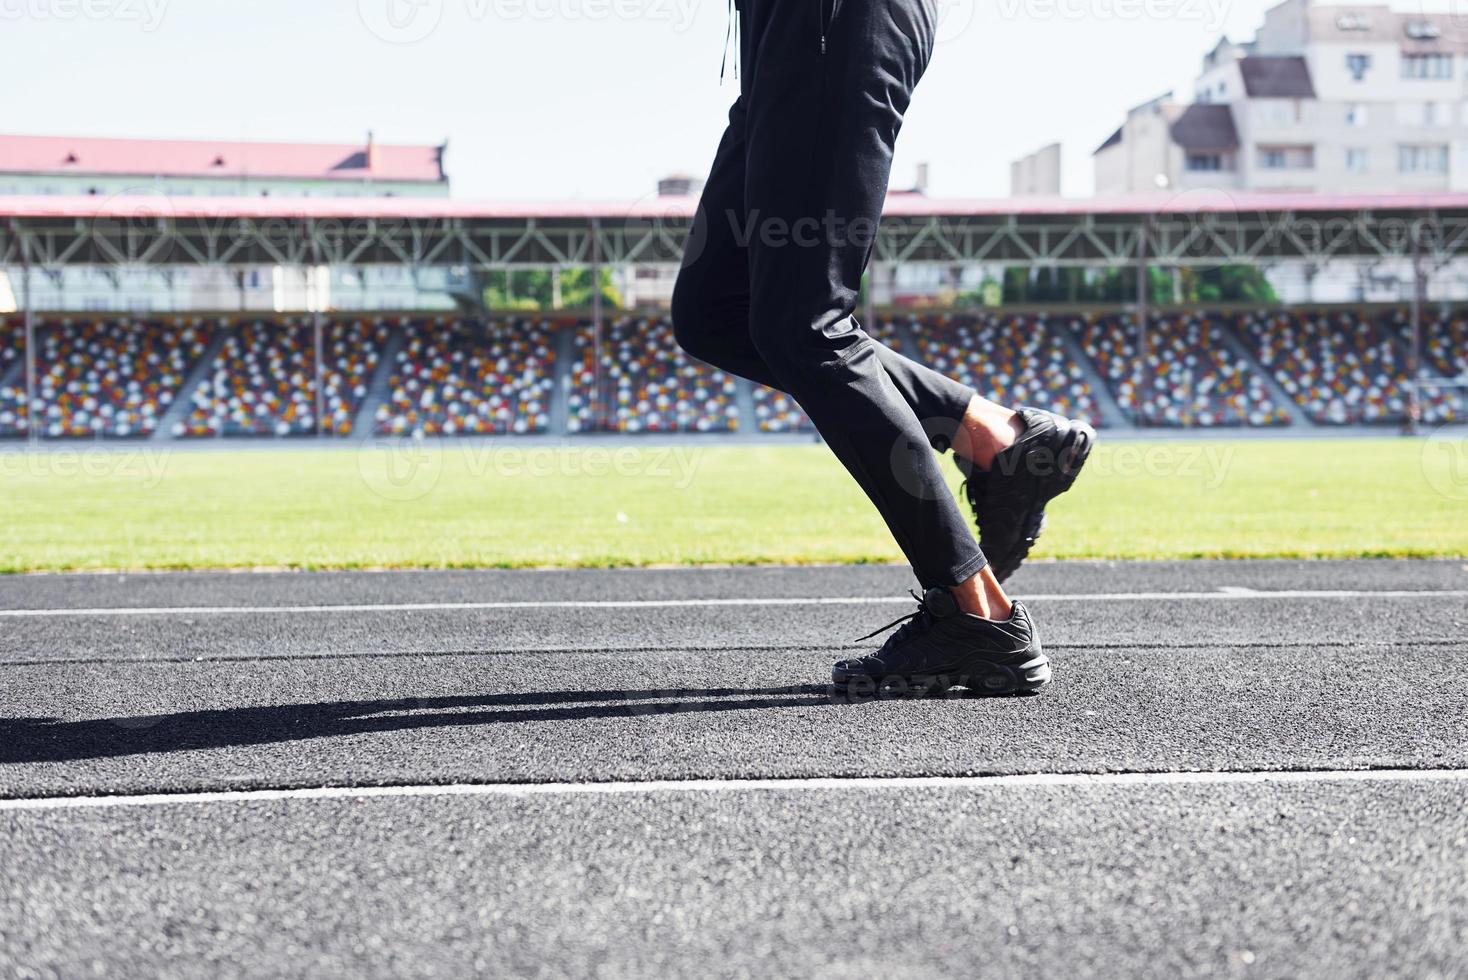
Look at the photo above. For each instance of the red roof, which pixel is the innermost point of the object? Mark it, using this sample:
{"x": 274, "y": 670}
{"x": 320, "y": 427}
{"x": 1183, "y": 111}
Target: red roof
{"x": 652, "y": 206}
{"x": 210, "y": 158}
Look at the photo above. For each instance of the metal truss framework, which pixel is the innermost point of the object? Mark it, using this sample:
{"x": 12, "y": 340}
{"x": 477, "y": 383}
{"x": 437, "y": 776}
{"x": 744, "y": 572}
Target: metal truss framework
{"x": 1189, "y": 239}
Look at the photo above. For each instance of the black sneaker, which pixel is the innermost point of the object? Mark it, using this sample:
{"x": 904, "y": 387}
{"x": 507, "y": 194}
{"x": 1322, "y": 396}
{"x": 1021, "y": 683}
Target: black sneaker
{"x": 939, "y": 647}
{"x": 1009, "y": 499}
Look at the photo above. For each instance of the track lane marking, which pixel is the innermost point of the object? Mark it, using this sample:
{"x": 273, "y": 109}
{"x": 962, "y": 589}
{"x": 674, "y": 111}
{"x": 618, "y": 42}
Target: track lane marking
{"x": 1234, "y": 595}
{"x": 1023, "y": 780}
{"x": 124, "y": 660}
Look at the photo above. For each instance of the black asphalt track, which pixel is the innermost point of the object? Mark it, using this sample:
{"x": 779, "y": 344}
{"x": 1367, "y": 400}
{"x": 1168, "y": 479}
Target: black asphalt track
{"x": 149, "y": 686}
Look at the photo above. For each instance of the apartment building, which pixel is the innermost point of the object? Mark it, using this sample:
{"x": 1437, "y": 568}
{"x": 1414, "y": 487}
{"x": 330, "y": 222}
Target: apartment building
{"x": 1324, "y": 98}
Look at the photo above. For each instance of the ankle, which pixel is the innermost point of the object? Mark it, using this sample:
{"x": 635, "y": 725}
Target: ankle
{"x": 982, "y": 596}
{"x": 986, "y": 430}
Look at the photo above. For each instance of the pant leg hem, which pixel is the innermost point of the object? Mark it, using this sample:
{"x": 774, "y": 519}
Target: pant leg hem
{"x": 967, "y": 571}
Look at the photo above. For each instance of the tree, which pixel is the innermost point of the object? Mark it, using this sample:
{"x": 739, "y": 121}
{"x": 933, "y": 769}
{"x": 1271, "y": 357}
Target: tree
{"x": 534, "y": 289}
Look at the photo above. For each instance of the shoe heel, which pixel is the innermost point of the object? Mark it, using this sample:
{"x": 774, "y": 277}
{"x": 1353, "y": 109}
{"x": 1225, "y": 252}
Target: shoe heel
{"x": 1075, "y": 451}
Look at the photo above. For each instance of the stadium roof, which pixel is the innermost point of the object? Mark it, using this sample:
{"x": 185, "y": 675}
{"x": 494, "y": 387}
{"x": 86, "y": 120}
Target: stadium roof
{"x": 220, "y": 159}
{"x": 1191, "y": 227}
{"x": 898, "y": 205}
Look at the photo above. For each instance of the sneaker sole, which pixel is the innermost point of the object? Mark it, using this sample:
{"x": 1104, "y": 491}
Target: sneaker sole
{"x": 1074, "y": 452}
{"x": 996, "y": 680}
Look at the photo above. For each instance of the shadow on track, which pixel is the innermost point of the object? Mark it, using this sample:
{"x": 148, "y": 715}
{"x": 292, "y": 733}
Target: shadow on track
{"x": 54, "y": 740}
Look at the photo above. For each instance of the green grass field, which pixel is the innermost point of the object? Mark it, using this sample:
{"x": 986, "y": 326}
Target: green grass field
{"x": 460, "y": 505}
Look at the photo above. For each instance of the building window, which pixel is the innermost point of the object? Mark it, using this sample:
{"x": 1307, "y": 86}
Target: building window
{"x": 1356, "y": 114}
{"x": 1205, "y": 162}
{"x": 1358, "y": 65}
{"x": 1279, "y": 112}
{"x": 1286, "y": 157}
{"x": 1422, "y": 159}
{"x": 1428, "y": 67}
{"x": 1358, "y": 159}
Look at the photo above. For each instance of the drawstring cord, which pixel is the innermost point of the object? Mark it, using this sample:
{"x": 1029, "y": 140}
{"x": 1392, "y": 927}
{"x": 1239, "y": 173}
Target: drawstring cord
{"x": 731, "y": 30}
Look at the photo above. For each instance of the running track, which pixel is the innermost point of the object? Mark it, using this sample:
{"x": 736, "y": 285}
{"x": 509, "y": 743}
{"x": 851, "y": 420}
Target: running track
{"x": 1251, "y": 768}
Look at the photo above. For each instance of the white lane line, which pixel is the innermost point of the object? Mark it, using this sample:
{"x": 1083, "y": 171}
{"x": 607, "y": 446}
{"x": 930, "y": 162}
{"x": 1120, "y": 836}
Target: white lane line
{"x": 1063, "y": 780}
{"x": 400, "y": 607}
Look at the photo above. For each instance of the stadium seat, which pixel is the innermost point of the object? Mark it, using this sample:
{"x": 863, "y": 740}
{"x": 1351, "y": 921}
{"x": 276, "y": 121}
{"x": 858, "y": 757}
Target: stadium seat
{"x": 1193, "y": 377}
{"x": 263, "y": 382}
{"x": 1013, "y": 360}
{"x": 465, "y": 377}
{"x": 647, "y": 383}
{"x": 106, "y": 378}
{"x": 12, "y": 386}
{"x": 1344, "y": 367}
{"x": 1445, "y": 341}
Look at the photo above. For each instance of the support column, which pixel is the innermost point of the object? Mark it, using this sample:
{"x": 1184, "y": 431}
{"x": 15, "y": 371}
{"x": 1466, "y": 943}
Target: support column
{"x": 33, "y": 429}
{"x": 1143, "y": 373}
{"x": 313, "y": 303}
{"x": 596, "y": 405}
{"x": 1414, "y": 356}
{"x": 317, "y": 328}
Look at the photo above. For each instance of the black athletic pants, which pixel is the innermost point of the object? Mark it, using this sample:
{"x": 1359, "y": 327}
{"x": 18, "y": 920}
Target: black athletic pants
{"x": 773, "y": 265}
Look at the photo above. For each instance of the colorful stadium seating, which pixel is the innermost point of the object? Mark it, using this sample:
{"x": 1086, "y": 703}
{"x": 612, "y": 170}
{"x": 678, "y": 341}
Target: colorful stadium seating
{"x": 1193, "y": 377}
{"x": 1013, "y": 360}
{"x": 1342, "y": 367}
{"x": 107, "y": 377}
{"x": 117, "y": 377}
{"x": 1445, "y": 342}
{"x": 12, "y": 341}
{"x": 466, "y": 377}
{"x": 775, "y": 411}
{"x": 647, "y": 384}
{"x": 12, "y": 387}
{"x": 263, "y": 382}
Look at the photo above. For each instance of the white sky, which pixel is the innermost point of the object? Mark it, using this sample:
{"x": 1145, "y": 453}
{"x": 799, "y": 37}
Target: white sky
{"x": 576, "y": 98}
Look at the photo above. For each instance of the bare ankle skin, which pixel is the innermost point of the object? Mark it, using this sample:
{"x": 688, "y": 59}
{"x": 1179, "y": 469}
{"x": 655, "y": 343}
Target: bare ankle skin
{"x": 983, "y": 596}
{"x": 986, "y": 430}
